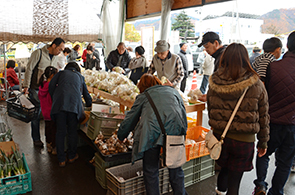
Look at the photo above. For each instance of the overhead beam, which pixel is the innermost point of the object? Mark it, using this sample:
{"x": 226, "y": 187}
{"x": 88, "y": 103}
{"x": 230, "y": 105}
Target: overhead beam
{"x": 146, "y": 8}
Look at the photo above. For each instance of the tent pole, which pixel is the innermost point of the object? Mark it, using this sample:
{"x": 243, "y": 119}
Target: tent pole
{"x": 5, "y": 73}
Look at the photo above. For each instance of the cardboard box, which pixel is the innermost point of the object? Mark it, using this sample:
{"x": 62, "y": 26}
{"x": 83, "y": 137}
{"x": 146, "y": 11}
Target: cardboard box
{"x": 6, "y": 147}
{"x": 105, "y": 108}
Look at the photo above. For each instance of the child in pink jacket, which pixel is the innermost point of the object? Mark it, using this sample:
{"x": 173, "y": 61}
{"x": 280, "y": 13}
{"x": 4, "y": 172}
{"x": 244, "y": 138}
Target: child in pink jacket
{"x": 46, "y": 103}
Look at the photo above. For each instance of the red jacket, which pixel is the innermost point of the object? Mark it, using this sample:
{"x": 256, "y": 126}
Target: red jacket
{"x": 11, "y": 77}
{"x": 84, "y": 55}
{"x": 45, "y": 100}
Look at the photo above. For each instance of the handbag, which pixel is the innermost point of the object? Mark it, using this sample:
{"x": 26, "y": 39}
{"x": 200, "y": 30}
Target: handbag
{"x": 174, "y": 155}
{"x": 212, "y": 143}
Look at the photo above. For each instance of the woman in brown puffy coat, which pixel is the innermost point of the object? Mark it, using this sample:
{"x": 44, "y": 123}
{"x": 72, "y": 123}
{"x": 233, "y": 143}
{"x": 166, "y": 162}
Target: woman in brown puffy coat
{"x": 226, "y": 86}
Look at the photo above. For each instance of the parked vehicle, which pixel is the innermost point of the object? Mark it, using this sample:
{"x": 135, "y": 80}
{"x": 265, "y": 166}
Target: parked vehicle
{"x": 99, "y": 48}
{"x": 195, "y": 53}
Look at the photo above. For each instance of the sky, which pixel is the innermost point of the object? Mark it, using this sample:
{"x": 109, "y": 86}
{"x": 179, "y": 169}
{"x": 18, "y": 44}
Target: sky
{"x": 258, "y": 7}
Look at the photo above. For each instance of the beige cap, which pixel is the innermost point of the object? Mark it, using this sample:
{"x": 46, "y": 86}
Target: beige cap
{"x": 162, "y": 46}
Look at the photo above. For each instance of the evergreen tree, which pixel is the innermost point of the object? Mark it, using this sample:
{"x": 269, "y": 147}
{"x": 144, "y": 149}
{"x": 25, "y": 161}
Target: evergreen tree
{"x": 183, "y": 25}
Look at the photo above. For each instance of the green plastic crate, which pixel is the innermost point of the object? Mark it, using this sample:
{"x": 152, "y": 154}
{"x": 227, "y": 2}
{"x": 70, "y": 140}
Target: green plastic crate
{"x": 195, "y": 170}
{"x": 133, "y": 184}
{"x": 103, "y": 122}
{"x": 18, "y": 184}
{"x": 101, "y": 166}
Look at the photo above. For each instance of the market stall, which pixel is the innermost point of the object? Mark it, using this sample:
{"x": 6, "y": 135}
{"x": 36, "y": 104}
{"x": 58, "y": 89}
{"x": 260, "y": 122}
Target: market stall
{"x": 108, "y": 164}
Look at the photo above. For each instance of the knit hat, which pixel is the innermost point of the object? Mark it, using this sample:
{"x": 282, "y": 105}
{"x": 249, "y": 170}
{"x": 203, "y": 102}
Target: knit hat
{"x": 140, "y": 50}
{"x": 256, "y": 49}
{"x": 181, "y": 44}
{"x": 162, "y": 46}
{"x": 291, "y": 42}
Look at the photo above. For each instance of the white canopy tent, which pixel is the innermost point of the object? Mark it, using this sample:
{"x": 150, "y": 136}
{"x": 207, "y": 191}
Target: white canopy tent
{"x": 80, "y": 20}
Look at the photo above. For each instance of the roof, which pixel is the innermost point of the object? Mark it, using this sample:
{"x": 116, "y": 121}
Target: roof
{"x": 233, "y": 14}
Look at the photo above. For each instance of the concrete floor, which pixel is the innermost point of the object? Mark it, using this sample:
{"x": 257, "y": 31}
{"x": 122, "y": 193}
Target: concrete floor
{"x": 79, "y": 178}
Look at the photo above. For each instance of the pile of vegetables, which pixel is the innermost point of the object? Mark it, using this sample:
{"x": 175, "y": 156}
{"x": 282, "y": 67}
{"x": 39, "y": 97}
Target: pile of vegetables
{"x": 112, "y": 82}
{"x": 11, "y": 164}
{"x": 6, "y": 135}
{"x": 113, "y": 145}
{"x": 193, "y": 95}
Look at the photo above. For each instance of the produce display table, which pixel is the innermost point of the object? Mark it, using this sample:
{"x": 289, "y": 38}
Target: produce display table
{"x": 198, "y": 107}
{"x": 109, "y": 96}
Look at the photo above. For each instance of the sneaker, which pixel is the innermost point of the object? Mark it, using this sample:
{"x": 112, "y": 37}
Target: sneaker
{"x": 293, "y": 169}
{"x": 62, "y": 164}
{"x": 74, "y": 159}
{"x": 38, "y": 143}
{"x": 219, "y": 192}
{"x": 259, "y": 190}
{"x": 54, "y": 151}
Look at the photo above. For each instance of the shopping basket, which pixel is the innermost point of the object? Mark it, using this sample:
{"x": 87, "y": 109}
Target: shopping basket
{"x": 16, "y": 110}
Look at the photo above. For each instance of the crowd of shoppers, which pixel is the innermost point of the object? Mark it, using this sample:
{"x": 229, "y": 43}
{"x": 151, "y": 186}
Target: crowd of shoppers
{"x": 266, "y": 111}
{"x": 279, "y": 83}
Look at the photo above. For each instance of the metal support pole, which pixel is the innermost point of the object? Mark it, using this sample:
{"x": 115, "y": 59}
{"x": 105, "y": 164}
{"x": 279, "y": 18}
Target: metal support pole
{"x": 5, "y": 72}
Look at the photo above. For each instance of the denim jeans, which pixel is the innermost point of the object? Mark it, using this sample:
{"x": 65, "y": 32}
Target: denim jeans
{"x": 66, "y": 124}
{"x": 282, "y": 137}
{"x": 35, "y": 124}
{"x": 204, "y": 83}
{"x": 15, "y": 87}
{"x": 151, "y": 174}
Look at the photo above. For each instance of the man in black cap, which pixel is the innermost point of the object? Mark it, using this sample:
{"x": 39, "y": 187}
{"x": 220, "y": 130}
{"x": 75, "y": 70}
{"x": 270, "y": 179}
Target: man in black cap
{"x": 213, "y": 46}
{"x": 182, "y": 55}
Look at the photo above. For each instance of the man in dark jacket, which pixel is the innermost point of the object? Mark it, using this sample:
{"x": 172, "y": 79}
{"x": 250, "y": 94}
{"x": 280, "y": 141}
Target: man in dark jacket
{"x": 92, "y": 59}
{"x": 213, "y": 46}
{"x": 182, "y": 55}
{"x": 280, "y": 85}
{"x": 256, "y": 52}
{"x": 65, "y": 89}
{"x": 119, "y": 57}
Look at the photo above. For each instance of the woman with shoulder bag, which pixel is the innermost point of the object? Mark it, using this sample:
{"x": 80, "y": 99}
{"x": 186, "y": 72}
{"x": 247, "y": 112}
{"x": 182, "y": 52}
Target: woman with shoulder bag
{"x": 226, "y": 86}
{"x": 148, "y": 138}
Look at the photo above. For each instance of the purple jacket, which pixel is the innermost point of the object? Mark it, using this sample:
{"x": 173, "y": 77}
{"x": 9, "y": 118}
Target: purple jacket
{"x": 280, "y": 86}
